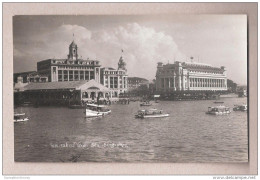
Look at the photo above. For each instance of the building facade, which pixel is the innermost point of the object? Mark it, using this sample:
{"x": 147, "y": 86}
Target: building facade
{"x": 189, "y": 76}
{"x": 115, "y": 79}
{"x": 71, "y": 69}
{"x": 136, "y": 82}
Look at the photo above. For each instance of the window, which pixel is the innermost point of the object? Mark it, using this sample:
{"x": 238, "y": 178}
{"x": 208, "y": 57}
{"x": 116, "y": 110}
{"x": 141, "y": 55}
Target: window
{"x": 115, "y": 82}
{"x": 91, "y": 74}
{"x": 70, "y": 75}
{"x": 65, "y": 75}
{"x": 86, "y": 75}
{"x": 81, "y": 77}
{"x": 59, "y": 75}
{"x": 76, "y": 75}
{"x": 111, "y": 82}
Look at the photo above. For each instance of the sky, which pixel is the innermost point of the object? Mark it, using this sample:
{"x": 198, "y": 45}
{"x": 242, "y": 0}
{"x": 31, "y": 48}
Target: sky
{"x": 218, "y": 40}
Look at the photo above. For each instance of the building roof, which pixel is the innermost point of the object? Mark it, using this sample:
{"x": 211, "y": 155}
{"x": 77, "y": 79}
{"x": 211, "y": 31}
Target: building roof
{"x": 82, "y": 85}
{"x": 195, "y": 66}
{"x": 24, "y": 73}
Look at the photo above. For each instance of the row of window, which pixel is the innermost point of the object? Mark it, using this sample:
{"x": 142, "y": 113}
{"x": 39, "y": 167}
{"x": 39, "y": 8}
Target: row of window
{"x": 42, "y": 79}
{"x": 75, "y": 75}
{"x": 196, "y": 82}
{"x": 76, "y": 62}
{"x": 114, "y": 72}
{"x": 202, "y": 82}
{"x": 70, "y": 67}
{"x": 206, "y": 72}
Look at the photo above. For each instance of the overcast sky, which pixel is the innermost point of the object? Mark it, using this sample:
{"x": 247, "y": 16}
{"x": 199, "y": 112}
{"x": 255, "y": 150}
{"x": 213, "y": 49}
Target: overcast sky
{"x": 219, "y": 40}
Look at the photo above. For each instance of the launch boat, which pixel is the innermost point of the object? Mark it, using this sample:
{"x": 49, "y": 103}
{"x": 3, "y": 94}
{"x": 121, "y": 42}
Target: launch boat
{"x": 151, "y": 113}
{"x": 218, "y": 110}
{"x": 20, "y": 117}
{"x": 94, "y": 110}
{"x": 240, "y": 107}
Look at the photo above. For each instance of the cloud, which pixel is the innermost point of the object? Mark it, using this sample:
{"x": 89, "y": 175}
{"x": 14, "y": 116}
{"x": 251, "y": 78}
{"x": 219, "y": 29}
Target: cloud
{"x": 143, "y": 46}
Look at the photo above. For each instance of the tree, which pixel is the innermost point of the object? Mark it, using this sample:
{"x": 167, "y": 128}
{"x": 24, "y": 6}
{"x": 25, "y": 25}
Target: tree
{"x": 232, "y": 86}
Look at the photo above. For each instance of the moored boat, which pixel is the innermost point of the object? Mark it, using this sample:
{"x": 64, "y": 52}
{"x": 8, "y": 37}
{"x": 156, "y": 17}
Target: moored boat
{"x": 218, "y": 110}
{"x": 151, "y": 113}
{"x": 20, "y": 117}
{"x": 240, "y": 107}
{"x": 94, "y": 110}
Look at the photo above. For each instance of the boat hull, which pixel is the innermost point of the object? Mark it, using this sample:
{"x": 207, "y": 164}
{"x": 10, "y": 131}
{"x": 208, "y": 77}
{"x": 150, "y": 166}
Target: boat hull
{"x": 152, "y": 116}
{"x": 91, "y": 114}
{"x": 21, "y": 120}
{"x": 145, "y": 104}
{"x": 218, "y": 113}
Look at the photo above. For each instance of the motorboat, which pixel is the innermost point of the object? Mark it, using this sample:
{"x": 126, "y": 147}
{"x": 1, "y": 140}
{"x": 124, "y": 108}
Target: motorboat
{"x": 94, "y": 110}
{"x": 151, "y": 113}
{"x": 218, "y": 110}
{"x": 20, "y": 117}
{"x": 145, "y": 104}
{"x": 240, "y": 107}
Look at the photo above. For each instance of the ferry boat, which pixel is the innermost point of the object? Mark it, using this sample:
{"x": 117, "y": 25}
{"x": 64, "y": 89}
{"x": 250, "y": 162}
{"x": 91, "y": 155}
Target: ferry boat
{"x": 240, "y": 107}
{"x": 218, "y": 110}
{"x": 151, "y": 113}
{"x": 94, "y": 110}
{"x": 20, "y": 117}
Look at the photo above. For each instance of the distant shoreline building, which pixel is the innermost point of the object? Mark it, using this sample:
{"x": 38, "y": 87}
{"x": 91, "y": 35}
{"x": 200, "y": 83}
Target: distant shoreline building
{"x": 189, "y": 76}
{"x": 136, "y": 82}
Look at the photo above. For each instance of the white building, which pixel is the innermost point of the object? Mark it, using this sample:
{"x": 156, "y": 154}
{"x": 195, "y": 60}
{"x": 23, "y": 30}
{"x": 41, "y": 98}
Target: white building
{"x": 189, "y": 76}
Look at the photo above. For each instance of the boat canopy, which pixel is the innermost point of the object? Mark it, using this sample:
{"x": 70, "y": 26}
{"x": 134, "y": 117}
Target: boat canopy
{"x": 19, "y": 114}
{"x": 95, "y": 105}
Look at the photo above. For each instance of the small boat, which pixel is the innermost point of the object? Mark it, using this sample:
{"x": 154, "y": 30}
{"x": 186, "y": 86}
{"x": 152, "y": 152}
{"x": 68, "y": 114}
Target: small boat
{"x": 20, "y": 117}
{"x": 145, "y": 104}
{"x": 94, "y": 110}
{"x": 240, "y": 107}
{"x": 218, "y": 110}
{"x": 151, "y": 113}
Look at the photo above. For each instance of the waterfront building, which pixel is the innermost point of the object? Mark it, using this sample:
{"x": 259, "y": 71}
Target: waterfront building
{"x": 23, "y": 75}
{"x": 22, "y": 78}
{"x": 71, "y": 69}
{"x": 66, "y": 92}
{"x": 136, "y": 82}
{"x": 19, "y": 85}
{"x": 115, "y": 79}
{"x": 190, "y": 76}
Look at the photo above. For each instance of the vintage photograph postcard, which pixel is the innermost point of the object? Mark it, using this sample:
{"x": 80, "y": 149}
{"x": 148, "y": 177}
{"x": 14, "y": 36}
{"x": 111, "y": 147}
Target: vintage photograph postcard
{"x": 125, "y": 88}
{"x": 130, "y": 88}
